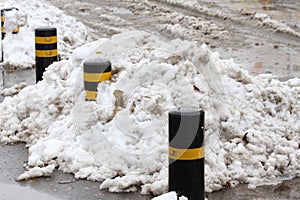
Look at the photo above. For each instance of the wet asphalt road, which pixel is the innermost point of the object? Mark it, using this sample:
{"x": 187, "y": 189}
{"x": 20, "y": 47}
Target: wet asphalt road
{"x": 63, "y": 186}
{"x": 60, "y": 185}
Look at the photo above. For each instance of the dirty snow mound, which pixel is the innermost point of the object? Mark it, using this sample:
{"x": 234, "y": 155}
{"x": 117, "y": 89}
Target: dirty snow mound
{"x": 252, "y": 122}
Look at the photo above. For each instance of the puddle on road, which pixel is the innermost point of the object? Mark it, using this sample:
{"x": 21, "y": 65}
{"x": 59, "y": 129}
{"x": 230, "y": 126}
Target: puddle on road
{"x": 15, "y": 192}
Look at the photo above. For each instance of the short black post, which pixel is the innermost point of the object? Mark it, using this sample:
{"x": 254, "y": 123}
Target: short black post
{"x": 186, "y": 153}
{"x": 95, "y": 71}
{"x": 45, "y": 50}
{"x": 15, "y": 31}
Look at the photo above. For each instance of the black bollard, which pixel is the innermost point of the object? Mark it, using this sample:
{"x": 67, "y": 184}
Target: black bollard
{"x": 15, "y": 31}
{"x": 186, "y": 153}
{"x": 45, "y": 50}
{"x": 95, "y": 71}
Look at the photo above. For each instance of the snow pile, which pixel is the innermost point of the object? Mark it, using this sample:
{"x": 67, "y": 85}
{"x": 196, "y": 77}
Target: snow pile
{"x": 252, "y": 122}
{"x": 19, "y": 48}
{"x": 169, "y": 196}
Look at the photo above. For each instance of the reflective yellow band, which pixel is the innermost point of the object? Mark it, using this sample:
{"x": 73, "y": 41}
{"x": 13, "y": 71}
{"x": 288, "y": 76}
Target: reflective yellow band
{"x": 91, "y": 94}
{"x": 46, "y": 40}
{"x": 46, "y": 53}
{"x": 14, "y": 31}
{"x": 2, "y": 18}
{"x": 186, "y": 154}
{"x": 97, "y": 77}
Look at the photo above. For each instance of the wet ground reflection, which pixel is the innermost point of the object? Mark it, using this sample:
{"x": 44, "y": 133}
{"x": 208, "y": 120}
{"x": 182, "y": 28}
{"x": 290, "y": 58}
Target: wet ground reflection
{"x": 285, "y": 190}
{"x": 8, "y": 192}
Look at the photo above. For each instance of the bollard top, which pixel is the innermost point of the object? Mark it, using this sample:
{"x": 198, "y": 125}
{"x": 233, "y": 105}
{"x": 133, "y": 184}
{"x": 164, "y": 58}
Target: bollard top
{"x": 97, "y": 66}
{"x": 186, "y": 128}
{"x": 45, "y": 31}
{"x": 187, "y": 112}
{"x": 7, "y": 9}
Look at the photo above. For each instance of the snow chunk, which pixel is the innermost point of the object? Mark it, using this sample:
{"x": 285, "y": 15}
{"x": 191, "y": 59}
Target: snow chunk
{"x": 14, "y": 89}
{"x": 36, "y": 172}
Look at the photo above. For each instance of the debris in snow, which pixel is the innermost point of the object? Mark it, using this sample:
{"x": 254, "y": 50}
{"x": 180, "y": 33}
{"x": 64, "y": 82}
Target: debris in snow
{"x": 65, "y": 182}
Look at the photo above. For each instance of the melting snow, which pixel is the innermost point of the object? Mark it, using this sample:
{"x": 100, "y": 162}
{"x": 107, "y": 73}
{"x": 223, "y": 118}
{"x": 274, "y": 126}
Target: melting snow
{"x": 252, "y": 122}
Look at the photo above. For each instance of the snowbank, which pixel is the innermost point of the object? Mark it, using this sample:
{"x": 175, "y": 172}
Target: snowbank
{"x": 194, "y": 5}
{"x": 19, "y": 48}
{"x": 266, "y": 20}
{"x": 252, "y": 122}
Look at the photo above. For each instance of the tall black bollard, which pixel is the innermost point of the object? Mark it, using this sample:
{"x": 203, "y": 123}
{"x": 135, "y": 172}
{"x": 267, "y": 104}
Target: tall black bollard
{"x": 186, "y": 153}
{"x": 15, "y": 31}
{"x": 45, "y": 50}
{"x": 95, "y": 71}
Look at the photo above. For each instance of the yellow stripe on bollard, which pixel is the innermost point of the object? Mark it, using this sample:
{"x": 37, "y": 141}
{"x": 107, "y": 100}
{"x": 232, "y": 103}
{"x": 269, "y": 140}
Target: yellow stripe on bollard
{"x": 14, "y": 31}
{"x": 186, "y": 154}
{"x": 2, "y": 18}
{"x": 46, "y": 53}
{"x": 97, "y": 77}
{"x": 90, "y": 94}
{"x": 46, "y": 40}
